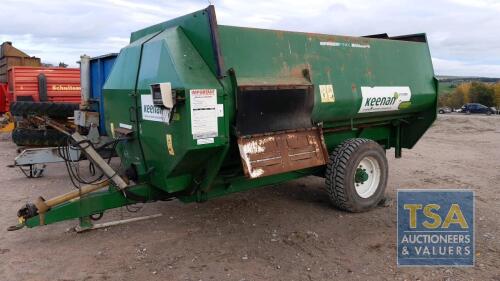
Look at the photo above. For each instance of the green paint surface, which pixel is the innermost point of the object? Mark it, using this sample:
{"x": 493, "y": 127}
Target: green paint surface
{"x": 182, "y": 52}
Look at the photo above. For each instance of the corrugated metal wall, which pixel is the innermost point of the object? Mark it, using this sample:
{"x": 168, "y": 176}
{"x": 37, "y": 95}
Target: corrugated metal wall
{"x": 63, "y": 84}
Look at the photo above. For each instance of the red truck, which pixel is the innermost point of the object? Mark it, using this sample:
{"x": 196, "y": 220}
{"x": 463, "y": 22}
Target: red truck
{"x": 41, "y": 91}
{"x": 9, "y": 57}
{"x": 4, "y": 98}
{"x": 27, "y": 89}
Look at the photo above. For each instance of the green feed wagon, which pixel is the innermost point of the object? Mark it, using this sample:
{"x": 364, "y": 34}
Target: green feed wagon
{"x": 200, "y": 110}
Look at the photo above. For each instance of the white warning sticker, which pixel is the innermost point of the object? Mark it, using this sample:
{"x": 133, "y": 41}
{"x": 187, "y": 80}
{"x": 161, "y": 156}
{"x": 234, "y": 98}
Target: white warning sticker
{"x": 376, "y": 99}
{"x": 220, "y": 110}
{"x": 125, "y": 126}
{"x": 204, "y": 141}
{"x": 203, "y": 113}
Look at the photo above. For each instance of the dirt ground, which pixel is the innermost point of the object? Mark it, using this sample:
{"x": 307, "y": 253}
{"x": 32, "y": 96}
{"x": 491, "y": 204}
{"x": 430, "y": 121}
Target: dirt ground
{"x": 282, "y": 232}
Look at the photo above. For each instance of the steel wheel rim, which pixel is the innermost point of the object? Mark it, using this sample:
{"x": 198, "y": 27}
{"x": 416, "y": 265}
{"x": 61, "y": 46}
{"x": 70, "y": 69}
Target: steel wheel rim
{"x": 368, "y": 187}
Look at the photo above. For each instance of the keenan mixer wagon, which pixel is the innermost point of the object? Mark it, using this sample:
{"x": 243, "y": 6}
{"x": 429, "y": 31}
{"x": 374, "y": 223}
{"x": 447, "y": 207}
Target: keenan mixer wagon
{"x": 199, "y": 110}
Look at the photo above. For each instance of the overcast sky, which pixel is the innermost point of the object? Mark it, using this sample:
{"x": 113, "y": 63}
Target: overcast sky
{"x": 464, "y": 35}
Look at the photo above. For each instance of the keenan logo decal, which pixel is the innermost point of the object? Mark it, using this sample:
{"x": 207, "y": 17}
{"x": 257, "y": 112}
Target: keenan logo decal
{"x": 381, "y": 101}
{"x": 376, "y": 99}
{"x": 152, "y": 112}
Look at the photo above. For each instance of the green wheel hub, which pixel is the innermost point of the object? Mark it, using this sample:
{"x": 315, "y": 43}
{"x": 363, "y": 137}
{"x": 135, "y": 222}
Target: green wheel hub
{"x": 361, "y": 175}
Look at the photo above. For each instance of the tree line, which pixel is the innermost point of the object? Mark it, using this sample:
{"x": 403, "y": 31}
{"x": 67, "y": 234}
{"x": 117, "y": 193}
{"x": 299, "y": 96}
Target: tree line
{"x": 474, "y": 92}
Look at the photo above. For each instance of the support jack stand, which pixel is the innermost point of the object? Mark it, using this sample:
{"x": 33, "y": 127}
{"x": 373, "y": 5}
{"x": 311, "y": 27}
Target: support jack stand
{"x": 86, "y": 223}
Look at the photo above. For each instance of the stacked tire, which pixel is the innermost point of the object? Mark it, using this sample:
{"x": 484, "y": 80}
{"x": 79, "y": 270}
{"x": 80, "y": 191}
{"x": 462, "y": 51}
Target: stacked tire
{"x": 50, "y": 109}
{"x": 37, "y": 137}
{"x": 25, "y": 135}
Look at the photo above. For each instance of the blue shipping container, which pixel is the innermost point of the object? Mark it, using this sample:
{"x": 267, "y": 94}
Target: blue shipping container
{"x": 100, "y": 68}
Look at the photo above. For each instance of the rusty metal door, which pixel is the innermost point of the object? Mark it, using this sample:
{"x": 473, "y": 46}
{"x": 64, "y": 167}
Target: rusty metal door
{"x": 275, "y": 153}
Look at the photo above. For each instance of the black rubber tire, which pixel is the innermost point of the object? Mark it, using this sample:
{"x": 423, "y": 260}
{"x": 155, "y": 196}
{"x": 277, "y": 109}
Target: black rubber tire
{"x": 35, "y": 137}
{"x": 50, "y": 109}
{"x": 341, "y": 169}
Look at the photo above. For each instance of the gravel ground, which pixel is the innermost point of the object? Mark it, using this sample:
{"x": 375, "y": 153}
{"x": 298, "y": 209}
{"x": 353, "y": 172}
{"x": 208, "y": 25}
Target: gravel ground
{"x": 282, "y": 232}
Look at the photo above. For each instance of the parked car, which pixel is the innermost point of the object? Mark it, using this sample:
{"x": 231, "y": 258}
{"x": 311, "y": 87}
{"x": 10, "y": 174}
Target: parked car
{"x": 469, "y": 108}
{"x": 444, "y": 109}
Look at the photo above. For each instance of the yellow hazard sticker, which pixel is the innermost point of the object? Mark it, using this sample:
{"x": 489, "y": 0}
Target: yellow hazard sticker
{"x": 170, "y": 146}
{"x": 326, "y": 92}
{"x": 112, "y": 126}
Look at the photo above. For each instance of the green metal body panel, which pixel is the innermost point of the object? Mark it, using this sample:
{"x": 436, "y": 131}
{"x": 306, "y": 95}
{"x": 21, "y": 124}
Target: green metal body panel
{"x": 185, "y": 52}
{"x": 193, "y": 52}
{"x": 268, "y": 57}
{"x": 93, "y": 203}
